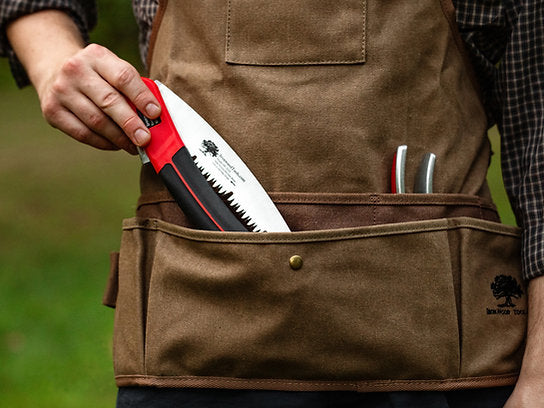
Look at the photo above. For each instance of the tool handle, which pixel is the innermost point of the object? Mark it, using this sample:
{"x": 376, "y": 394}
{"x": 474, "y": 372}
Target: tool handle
{"x": 194, "y": 195}
{"x": 174, "y": 164}
{"x": 424, "y": 178}
{"x": 398, "y": 170}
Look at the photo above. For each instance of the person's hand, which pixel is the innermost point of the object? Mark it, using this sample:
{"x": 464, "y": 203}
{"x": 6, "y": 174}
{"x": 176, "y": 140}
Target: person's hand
{"x": 528, "y": 393}
{"x": 529, "y": 390}
{"x": 85, "y": 98}
{"x": 82, "y": 90}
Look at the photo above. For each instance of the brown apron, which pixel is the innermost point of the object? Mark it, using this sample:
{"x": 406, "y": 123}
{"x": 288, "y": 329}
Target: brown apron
{"x": 394, "y": 291}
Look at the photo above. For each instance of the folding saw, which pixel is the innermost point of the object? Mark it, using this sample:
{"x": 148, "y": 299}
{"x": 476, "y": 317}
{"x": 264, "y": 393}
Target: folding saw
{"x": 208, "y": 180}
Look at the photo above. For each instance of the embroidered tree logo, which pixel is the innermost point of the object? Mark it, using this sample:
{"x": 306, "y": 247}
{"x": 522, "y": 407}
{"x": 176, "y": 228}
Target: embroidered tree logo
{"x": 209, "y": 147}
{"x": 506, "y": 287}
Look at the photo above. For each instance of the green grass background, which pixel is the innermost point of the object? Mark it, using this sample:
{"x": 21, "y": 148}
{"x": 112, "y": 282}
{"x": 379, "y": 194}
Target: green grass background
{"x": 61, "y": 206}
{"x": 60, "y": 211}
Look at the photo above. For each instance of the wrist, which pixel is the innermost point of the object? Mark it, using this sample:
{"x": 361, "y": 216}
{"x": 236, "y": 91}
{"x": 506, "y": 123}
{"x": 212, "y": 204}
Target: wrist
{"x": 533, "y": 360}
{"x": 43, "y": 41}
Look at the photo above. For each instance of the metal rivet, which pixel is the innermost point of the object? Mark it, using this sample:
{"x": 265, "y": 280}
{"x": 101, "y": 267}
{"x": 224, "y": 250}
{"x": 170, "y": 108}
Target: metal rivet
{"x": 295, "y": 262}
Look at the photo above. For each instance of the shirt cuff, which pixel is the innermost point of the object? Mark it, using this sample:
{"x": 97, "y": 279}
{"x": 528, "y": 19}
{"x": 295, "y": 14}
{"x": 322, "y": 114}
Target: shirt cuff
{"x": 533, "y": 252}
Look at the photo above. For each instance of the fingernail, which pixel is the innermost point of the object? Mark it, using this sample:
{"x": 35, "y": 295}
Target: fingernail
{"x": 141, "y": 136}
{"x": 152, "y": 110}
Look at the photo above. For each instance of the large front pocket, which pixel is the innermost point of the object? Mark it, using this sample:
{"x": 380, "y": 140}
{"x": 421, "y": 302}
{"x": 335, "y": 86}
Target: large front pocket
{"x": 296, "y": 32}
{"x": 407, "y": 302}
{"x": 368, "y": 303}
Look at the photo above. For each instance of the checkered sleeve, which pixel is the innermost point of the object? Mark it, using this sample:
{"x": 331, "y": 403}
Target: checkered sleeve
{"x": 506, "y": 41}
{"x": 145, "y": 11}
{"x": 83, "y": 13}
{"x": 520, "y": 87}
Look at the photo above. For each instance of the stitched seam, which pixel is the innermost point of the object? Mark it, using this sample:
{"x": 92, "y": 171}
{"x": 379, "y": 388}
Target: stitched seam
{"x": 302, "y": 238}
{"x": 346, "y": 199}
{"x": 228, "y": 26}
{"x": 304, "y": 201}
{"x": 375, "y": 200}
{"x": 295, "y": 62}
{"x": 374, "y": 205}
{"x": 302, "y": 62}
{"x": 371, "y": 383}
{"x": 363, "y": 45}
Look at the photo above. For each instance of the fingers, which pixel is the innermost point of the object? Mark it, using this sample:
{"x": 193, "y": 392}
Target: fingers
{"x": 110, "y": 101}
{"x": 70, "y": 124}
{"x": 125, "y": 78}
{"x": 65, "y": 108}
{"x": 88, "y": 100}
{"x": 100, "y": 123}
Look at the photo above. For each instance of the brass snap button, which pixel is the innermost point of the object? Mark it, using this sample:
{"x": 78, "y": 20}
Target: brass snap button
{"x": 295, "y": 262}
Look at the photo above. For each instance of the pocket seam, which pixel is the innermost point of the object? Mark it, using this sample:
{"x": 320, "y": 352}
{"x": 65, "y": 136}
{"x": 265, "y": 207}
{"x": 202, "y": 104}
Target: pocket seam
{"x": 444, "y": 224}
{"x": 350, "y": 199}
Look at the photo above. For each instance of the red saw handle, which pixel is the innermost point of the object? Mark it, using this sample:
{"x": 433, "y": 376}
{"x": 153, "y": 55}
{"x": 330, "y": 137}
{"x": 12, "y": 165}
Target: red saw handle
{"x": 174, "y": 164}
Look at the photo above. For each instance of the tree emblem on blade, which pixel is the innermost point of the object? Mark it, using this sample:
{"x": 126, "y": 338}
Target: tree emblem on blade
{"x": 507, "y": 287}
{"x": 209, "y": 147}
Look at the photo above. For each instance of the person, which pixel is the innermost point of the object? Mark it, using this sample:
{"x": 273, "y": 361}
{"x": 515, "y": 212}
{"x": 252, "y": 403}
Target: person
{"x": 327, "y": 90}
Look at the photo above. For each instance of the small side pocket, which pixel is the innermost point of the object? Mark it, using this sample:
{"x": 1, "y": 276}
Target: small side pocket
{"x": 135, "y": 264}
{"x": 112, "y": 287}
{"x": 493, "y": 299}
{"x": 296, "y": 32}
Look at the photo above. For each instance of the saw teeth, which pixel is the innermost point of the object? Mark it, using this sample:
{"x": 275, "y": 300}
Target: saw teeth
{"x": 228, "y": 199}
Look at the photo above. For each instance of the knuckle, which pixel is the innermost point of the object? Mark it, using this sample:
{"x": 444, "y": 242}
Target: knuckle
{"x": 140, "y": 98}
{"x": 80, "y": 134}
{"x": 72, "y": 66}
{"x": 48, "y": 109}
{"x": 95, "y": 50}
{"x": 51, "y": 112}
{"x": 58, "y": 87}
{"x": 130, "y": 124}
{"x": 109, "y": 99}
{"x": 125, "y": 75}
{"x": 96, "y": 120}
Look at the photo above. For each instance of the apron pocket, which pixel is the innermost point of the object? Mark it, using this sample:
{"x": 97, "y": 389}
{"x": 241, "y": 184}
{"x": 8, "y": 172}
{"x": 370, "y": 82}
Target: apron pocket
{"x": 321, "y": 211}
{"x": 134, "y": 270}
{"x": 493, "y": 298}
{"x": 367, "y": 303}
{"x": 110, "y": 293}
{"x": 296, "y": 32}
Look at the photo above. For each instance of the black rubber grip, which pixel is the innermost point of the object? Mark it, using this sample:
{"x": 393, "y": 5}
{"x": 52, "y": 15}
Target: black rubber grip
{"x": 211, "y": 207}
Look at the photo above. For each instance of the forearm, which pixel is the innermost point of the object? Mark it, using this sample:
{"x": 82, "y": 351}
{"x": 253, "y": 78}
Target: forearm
{"x": 529, "y": 390}
{"x": 533, "y": 361}
{"x": 43, "y": 41}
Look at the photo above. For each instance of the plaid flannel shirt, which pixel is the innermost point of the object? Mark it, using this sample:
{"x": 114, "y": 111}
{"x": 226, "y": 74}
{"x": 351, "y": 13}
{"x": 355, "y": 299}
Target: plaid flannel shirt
{"x": 506, "y": 42}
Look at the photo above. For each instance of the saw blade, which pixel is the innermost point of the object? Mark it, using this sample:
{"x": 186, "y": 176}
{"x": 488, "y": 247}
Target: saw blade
{"x": 222, "y": 167}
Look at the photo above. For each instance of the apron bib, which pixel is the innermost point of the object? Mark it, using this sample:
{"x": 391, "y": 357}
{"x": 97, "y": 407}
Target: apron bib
{"x": 371, "y": 291}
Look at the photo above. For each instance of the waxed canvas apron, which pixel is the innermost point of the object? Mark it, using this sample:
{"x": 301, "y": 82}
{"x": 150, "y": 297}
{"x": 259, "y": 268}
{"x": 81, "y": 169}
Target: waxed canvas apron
{"x": 394, "y": 291}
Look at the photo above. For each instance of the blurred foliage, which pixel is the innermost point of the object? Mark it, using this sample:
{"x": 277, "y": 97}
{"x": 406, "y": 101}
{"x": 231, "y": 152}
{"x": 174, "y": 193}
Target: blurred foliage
{"x": 117, "y": 29}
{"x": 58, "y": 227}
